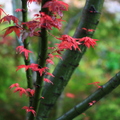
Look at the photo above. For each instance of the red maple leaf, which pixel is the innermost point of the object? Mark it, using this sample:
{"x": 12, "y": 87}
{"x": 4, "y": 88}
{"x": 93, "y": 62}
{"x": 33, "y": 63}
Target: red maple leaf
{"x": 88, "y": 30}
{"x": 2, "y": 11}
{"x": 29, "y": 109}
{"x": 58, "y": 56}
{"x": 10, "y": 29}
{"x": 14, "y": 85}
{"x": 21, "y": 49}
{"x": 48, "y": 22}
{"x": 70, "y": 95}
{"x": 33, "y": 67}
{"x": 42, "y": 70}
{"x": 96, "y": 84}
{"x": 18, "y": 10}
{"x": 20, "y": 90}
{"x": 56, "y": 6}
{"x": 31, "y": 91}
{"x": 57, "y": 22}
{"x": 88, "y": 41}
{"x": 92, "y": 103}
{"x": 51, "y": 56}
{"x": 9, "y": 18}
{"x": 49, "y": 61}
{"x": 47, "y": 80}
{"x": 22, "y": 66}
{"x": 47, "y": 73}
{"x": 68, "y": 42}
{"x": 32, "y": 25}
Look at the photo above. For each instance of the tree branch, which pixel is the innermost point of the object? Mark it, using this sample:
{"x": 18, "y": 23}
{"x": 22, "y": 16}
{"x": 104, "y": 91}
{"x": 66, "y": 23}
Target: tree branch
{"x": 42, "y": 56}
{"x": 97, "y": 95}
{"x": 71, "y": 59}
{"x": 26, "y": 43}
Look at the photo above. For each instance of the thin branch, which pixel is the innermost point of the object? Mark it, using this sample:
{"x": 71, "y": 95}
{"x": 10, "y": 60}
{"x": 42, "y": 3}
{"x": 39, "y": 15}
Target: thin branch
{"x": 42, "y": 56}
{"x": 26, "y": 43}
{"x": 96, "y": 96}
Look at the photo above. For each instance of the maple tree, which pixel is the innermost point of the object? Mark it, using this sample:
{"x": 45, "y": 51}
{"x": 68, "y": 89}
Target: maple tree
{"x": 50, "y": 16}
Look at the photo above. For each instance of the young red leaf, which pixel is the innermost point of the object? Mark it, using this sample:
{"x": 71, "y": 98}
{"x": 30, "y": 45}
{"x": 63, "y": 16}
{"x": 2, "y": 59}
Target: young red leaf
{"x": 48, "y": 22}
{"x": 47, "y": 73}
{"x": 21, "y": 49}
{"x": 22, "y": 66}
{"x": 68, "y": 42}
{"x": 56, "y": 6}
{"x": 31, "y": 91}
{"x": 49, "y": 61}
{"x": 29, "y": 109}
{"x": 14, "y": 85}
{"x": 88, "y": 30}
{"x": 70, "y": 95}
{"x": 9, "y": 18}
{"x": 90, "y": 104}
{"x": 18, "y": 10}
{"x": 10, "y": 29}
{"x": 42, "y": 70}
{"x": 95, "y": 83}
{"x": 58, "y": 56}
{"x": 33, "y": 67}
{"x": 47, "y": 80}
{"x": 88, "y": 41}
{"x": 42, "y": 97}
{"x": 20, "y": 90}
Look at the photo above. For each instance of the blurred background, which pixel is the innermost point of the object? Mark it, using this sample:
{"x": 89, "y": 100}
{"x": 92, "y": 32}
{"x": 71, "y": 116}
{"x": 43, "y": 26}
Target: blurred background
{"x": 99, "y": 64}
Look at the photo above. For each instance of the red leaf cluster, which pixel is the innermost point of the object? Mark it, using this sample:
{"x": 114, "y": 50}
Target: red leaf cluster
{"x": 9, "y": 18}
{"x": 68, "y": 42}
{"x": 31, "y": 91}
{"x": 48, "y": 22}
{"x": 56, "y": 7}
{"x": 29, "y": 109}
{"x": 21, "y": 49}
{"x": 10, "y": 29}
{"x": 22, "y": 90}
{"x": 88, "y": 41}
{"x": 33, "y": 67}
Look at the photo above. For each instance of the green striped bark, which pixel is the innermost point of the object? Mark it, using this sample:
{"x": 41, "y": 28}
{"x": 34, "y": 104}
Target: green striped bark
{"x": 65, "y": 68}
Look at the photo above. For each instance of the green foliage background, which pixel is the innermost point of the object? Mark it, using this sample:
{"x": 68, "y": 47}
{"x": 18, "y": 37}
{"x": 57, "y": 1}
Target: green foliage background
{"x": 98, "y": 64}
